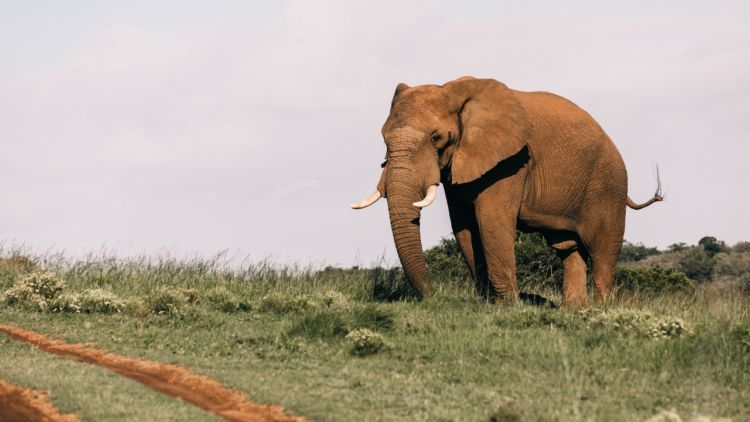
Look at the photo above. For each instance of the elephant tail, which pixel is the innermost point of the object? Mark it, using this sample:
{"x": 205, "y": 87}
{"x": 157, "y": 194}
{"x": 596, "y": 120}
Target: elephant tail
{"x": 633, "y": 205}
{"x": 658, "y": 196}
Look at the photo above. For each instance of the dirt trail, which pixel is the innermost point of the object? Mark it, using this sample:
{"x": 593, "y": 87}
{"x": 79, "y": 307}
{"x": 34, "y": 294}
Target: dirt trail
{"x": 21, "y": 404}
{"x": 168, "y": 379}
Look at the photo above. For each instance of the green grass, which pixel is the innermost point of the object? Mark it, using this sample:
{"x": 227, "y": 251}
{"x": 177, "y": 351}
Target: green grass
{"x": 279, "y": 335}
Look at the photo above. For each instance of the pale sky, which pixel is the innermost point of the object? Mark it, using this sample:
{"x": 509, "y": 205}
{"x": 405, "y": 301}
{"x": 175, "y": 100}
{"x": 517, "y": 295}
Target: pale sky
{"x": 195, "y": 127}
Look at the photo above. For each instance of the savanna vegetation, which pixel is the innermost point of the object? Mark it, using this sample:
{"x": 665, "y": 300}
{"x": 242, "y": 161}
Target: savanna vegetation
{"x": 352, "y": 344}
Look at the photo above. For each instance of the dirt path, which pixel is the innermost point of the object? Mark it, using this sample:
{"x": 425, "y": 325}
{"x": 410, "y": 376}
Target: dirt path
{"x": 168, "y": 379}
{"x": 21, "y": 404}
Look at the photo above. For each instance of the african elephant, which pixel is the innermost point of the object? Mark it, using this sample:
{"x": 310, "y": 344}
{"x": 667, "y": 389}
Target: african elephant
{"x": 508, "y": 160}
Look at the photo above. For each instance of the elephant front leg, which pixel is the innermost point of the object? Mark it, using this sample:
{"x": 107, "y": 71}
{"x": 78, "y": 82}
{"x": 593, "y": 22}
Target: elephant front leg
{"x": 466, "y": 232}
{"x": 498, "y": 234}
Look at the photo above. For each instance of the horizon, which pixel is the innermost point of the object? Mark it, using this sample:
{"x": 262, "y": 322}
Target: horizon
{"x": 249, "y": 128}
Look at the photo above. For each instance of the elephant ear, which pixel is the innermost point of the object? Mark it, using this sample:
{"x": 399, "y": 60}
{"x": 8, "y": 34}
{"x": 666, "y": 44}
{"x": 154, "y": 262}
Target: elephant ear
{"x": 493, "y": 127}
{"x": 399, "y": 89}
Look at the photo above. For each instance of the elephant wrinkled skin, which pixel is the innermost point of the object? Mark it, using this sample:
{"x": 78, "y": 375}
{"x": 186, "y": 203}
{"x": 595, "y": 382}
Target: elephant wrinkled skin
{"x": 508, "y": 160}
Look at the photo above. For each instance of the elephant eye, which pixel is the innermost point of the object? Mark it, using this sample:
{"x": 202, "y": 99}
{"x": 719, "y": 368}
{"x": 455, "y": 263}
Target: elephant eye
{"x": 436, "y": 137}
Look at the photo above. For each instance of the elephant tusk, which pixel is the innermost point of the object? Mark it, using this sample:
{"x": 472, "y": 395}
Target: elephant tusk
{"x": 431, "y": 193}
{"x": 367, "y": 201}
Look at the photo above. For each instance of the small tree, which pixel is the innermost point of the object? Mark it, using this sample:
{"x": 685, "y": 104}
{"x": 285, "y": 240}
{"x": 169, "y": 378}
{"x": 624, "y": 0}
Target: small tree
{"x": 712, "y": 246}
{"x": 697, "y": 264}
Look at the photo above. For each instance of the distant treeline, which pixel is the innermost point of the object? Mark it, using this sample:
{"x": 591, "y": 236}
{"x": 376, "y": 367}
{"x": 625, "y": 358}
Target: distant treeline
{"x": 680, "y": 267}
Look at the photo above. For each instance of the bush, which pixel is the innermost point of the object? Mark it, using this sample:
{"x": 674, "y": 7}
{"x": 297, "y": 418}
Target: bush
{"x": 636, "y": 322}
{"x": 101, "y": 301}
{"x": 745, "y": 283}
{"x": 732, "y": 264}
{"x": 697, "y": 264}
{"x": 166, "y": 300}
{"x": 283, "y": 304}
{"x": 519, "y": 318}
{"x": 17, "y": 263}
{"x": 365, "y": 342}
{"x": 33, "y": 291}
{"x": 537, "y": 265}
{"x": 741, "y": 247}
{"x": 223, "y": 300}
{"x": 444, "y": 261}
{"x": 712, "y": 246}
{"x": 652, "y": 280}
{"x": 66, "y": 302}
{"x": 636, "y": 252}
{"x": 391, "y": 284}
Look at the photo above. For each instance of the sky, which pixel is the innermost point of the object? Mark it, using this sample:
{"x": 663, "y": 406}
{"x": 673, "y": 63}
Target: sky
{"x": 196, "y": 127}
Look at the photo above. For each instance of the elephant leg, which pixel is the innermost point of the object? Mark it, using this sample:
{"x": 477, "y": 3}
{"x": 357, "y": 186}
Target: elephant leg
{"x": 604, "y": 277}
{"x": 574, "y": 279}
{"x": 498, "y": 231}
{"x": 466, "y": 232}
{"x": 574, "y": 268}
{"x": 499, "y": 241}
{"x": 603, "y": 241}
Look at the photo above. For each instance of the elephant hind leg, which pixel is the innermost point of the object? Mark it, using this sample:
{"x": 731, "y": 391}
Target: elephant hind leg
{"x": 604, "y": 244}
{"x": 604, "y": 277}
{"x": 571, "y": 253}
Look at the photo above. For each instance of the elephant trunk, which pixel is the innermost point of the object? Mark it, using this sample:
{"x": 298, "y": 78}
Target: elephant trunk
{"x": 403, "y": 190}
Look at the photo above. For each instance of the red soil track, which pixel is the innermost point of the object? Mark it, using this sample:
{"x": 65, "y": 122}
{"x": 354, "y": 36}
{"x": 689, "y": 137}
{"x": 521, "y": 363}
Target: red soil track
{"x": 21, "y": 404}
{"x": 175, "y": 381}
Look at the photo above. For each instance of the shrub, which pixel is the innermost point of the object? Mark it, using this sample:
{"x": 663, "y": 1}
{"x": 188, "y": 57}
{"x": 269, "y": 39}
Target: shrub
{"x": 741, "y": 247}
{"x": 732, "y": 263}
{"x": 636, "y": 322}
{"x": 283, "y": 304}
{"x": 652, "y": 280}
{"x": 530, "y": 317}
{"x": 391, "y": 284}
{"x": 66, "y": 302}
{"x": 101, "y": 301}
{"x": 17, "y": 263}
{"x": 365, "y": 342}
{"x": 745, "y": 283}
{"x": 636, "y": 252}
{"x": 537, "y": 265}
{"x": 444, "y": 261}
{"x": 223, "y": 300}
{"x": 697, "y": 264}
{"x": 166, "y": 300}
{"x": 712, "y": 246}
{"x": 33, "y": 291}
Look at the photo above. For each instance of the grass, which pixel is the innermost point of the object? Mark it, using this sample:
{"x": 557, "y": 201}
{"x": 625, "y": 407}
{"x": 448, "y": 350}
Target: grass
{"x": 280, "y": 335}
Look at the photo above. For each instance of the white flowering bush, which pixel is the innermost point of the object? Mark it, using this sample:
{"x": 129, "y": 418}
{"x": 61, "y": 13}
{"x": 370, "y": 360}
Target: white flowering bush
{"x": 101, "y": 301}
{"x": 636, "y": 322}
{"x": 366, "y": 342}
{"x": 66, "y": 302}
{"x": 33, "y": 291}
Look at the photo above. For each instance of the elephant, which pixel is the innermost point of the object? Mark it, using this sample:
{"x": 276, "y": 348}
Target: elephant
{"x": 508, "y": 160}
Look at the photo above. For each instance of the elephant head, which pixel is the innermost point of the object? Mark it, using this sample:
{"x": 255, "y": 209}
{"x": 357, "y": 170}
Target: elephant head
{"x": 452, "y": 133}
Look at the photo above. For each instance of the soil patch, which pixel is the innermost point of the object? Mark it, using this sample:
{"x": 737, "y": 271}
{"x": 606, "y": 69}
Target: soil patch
{"x": 175, "y": 381}
{"x": 21, "y": 404}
